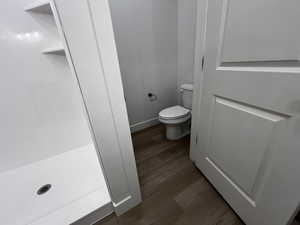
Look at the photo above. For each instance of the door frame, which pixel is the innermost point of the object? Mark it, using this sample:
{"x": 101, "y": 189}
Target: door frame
{"x": 88, "y": 32}
{"x": 198, "y": 73}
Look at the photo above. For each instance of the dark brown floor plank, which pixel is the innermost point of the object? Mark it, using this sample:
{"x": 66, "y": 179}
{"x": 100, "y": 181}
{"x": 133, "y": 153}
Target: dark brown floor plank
{"x": 174, "y": 191}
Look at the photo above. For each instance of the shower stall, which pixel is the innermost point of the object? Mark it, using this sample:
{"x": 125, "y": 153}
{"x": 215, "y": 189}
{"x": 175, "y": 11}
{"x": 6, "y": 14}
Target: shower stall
{"x": 49, "y": 169}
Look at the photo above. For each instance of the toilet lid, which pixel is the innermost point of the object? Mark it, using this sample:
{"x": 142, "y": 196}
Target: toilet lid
{"x": 174, "y": 112}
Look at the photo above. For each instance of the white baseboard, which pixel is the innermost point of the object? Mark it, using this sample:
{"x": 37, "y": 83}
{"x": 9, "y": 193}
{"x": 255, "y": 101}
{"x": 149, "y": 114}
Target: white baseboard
{"x": 126, "y": 204}
{"x": 144, "y": 124}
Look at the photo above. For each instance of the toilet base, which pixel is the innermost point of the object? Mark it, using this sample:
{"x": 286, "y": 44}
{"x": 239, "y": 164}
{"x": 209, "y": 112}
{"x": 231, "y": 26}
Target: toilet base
{"x": 177, "y": 131}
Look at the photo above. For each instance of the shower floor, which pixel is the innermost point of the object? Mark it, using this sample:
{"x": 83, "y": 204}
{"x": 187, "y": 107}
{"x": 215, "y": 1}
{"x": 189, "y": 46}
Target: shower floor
{"x": 77, "y": 188}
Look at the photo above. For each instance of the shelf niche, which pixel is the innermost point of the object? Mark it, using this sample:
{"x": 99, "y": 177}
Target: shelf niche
{"x": 45, "y": 7}
{"x": 56, "y": 50}
{"x": 40, "y": 7}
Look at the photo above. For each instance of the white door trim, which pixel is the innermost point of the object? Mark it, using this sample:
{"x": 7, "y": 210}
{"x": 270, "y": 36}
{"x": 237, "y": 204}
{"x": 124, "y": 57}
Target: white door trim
{"x": 198, "y": 72}
{"x": 88, "y": 31}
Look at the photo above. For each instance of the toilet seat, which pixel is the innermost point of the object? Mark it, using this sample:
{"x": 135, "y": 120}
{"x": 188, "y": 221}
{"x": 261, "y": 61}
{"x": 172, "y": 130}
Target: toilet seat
{"x": 174, "y": 113}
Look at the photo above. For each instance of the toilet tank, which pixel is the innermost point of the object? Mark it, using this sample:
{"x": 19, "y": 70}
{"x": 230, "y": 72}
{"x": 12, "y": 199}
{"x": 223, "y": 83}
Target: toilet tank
{"x": 187, "y": 95}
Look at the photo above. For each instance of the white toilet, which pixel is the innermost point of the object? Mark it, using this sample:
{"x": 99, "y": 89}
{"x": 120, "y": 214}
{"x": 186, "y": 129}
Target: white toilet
{"x": 177, "y": 118}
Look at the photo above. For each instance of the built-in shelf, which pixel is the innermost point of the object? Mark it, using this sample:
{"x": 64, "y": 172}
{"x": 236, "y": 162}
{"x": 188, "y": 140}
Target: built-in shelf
{"x": 57, "y": 50}
{"x": 40, "y": 7}
{"x": 46, "y": 7}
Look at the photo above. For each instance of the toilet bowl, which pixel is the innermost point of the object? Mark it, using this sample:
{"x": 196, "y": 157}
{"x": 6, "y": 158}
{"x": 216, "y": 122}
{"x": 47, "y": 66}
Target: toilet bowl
{"x": 177, "y": 119}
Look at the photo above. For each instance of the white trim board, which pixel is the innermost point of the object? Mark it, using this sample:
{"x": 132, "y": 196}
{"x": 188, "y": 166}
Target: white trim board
{"x": 198, "y": 74}
{"x": 96, "y": 67}
{"x": 144, "y": 124}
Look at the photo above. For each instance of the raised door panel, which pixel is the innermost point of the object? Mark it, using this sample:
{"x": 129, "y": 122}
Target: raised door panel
{"x": 260, "y": 30}
{"x": 238, "y": 142}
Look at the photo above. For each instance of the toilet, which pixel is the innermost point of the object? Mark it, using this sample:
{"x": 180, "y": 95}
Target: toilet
{"x": 178, "y": 118}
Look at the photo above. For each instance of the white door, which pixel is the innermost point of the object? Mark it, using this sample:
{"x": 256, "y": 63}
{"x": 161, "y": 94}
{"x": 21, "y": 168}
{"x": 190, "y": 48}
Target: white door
{"x": 249, "y": 133}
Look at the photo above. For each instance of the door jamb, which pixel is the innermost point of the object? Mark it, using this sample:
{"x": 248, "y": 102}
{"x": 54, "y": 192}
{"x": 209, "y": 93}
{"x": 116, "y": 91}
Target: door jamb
{"x": 199, "y": 67}
{"x": 88, "y": 32}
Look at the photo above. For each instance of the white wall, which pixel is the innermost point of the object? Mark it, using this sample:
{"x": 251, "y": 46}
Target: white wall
{"x": 186, "y": 40}
{"x": 146, "y": 38}
{"x": 155, "y": 41}
{"x": 40, "y": 107}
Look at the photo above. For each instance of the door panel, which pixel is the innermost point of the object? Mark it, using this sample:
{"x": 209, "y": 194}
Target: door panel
{"x": 260, "y": 30}
{"x": 239, "y": 139}
{"x": 249, "y": 130}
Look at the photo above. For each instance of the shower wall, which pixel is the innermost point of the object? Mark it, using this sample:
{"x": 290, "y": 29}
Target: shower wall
{"x": 44, "y": 135}
{"x": 146, "y": 39}
{"x": 40, "y": 113}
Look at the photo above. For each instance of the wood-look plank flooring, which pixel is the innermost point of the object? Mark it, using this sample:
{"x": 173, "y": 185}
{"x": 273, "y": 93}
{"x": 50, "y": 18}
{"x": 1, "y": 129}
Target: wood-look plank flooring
{"x": 174, "y": 191}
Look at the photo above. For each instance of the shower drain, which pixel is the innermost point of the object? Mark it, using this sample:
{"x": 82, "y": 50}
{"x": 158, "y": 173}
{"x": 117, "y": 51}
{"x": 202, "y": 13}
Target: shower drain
{"x": 44, "y": 189}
